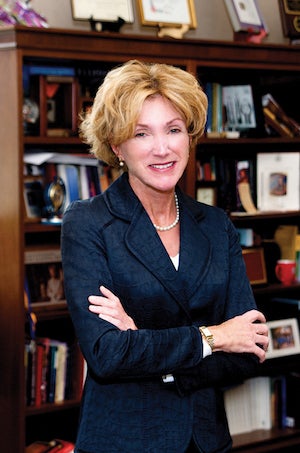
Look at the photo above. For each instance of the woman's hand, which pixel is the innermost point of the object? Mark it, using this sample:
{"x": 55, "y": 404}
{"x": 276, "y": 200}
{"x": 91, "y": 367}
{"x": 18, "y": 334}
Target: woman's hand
{"x": 244, "y": 333}
{"x": 109, "y": 308}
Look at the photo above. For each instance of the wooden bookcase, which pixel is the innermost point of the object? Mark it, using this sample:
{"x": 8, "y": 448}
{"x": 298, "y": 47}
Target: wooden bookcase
{"x": 223, "y": 61}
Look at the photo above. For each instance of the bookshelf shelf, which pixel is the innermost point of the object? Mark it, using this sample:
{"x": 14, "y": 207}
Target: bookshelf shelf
{"x": 265, "y": 66}
{"x": 52, "y": 408}
{"x": 274, "y": 440}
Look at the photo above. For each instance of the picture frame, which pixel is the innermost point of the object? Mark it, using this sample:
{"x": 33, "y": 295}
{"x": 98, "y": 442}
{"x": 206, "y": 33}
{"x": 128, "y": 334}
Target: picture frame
{"x": 171, "y": 13}
{"x": 245, "y": 16}
{"x": 290, "y": 18}
{"x": 44, "y": 277}
{"x": 278, "y": 181}
{"x": 284, "y": 338}
{"x": 58, "y": 105}
{"x": 33, "y": 195}
{"x": 207, "y": 195}
{"x": 102, "y": 10}
{"x": 255, "y": 265}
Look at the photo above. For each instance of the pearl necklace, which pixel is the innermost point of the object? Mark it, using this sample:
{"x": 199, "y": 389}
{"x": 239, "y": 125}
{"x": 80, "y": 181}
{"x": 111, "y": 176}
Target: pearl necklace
{"x": 169, "y": 227}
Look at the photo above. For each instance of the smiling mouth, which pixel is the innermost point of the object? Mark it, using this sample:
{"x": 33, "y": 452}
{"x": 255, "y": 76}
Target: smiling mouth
{"x": 163, "y": 166}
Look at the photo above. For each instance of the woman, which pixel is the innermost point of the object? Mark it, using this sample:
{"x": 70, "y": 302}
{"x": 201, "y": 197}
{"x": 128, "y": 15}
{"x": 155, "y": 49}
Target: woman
{"x": 146, "y": 268}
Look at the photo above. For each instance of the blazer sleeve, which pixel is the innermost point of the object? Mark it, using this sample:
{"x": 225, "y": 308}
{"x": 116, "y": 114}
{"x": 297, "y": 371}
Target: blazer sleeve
{"x": 223, "y": 369}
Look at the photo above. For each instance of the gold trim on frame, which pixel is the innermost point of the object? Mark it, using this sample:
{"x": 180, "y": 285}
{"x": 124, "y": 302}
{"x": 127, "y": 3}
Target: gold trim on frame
{"x": 158, "y": 18}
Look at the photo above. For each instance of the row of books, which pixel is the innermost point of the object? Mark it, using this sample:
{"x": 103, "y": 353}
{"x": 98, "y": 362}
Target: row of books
{"x": 54, "y": 371}
{"x": 263, "y": 402}
{"x": 230, "y": 108}
{"x": 81, "y": 177}
{"x": 206, "y": 169}
{"x": 233, "y": 108}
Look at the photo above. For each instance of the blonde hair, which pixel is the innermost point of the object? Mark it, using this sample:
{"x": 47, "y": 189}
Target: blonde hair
{"x": 119, "y": 100}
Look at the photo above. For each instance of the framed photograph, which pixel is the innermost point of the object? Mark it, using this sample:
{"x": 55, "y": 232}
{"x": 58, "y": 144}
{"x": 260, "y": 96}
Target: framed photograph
{"x": 33, "y": 198}
{"x": 44, "y": 276}
{"x": 245, "y": 16}
{"x": 284, "y": 338}
{"x": 238, "y": 102}
{"x": 278, "y": 181}
{"x": 207, "y": 195}
{"x": 168, "y": 13}
{"x": 255, "y": 265}
{"x": 58, "y": 105}
{"x": 102, "y": 10}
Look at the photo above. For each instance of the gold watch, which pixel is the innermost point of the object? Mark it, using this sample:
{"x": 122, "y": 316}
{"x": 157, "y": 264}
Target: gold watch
{"x": 208, "y": 336}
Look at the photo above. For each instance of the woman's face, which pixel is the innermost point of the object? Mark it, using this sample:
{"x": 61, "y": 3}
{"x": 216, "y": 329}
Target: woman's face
{"x": 158, "y": 153}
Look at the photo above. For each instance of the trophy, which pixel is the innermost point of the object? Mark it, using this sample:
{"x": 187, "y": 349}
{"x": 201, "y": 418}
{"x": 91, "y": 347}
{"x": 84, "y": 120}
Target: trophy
{"x": 55, "y": 197}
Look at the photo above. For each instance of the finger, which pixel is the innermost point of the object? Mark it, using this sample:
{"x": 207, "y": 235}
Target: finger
{"x": 255, "y": 315}
{"x": 261, "y": 354}
{"x": 98, "y": 300}
{"x": 107, "y": 293}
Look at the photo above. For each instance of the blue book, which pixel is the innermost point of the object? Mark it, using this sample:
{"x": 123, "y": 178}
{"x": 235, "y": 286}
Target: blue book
{"x": 208, "y": 91}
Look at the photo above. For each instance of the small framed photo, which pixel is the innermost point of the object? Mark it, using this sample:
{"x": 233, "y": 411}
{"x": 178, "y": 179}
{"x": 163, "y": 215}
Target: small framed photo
{"x": 255, "y": 265}
{"x": 207, "y": 195}
{"x": 102, "y": 10}
{"x": 284, "y": 338}
{"x": 168, "y": 13}
{"x": 33, "y": 198}
{"x": 245, "y": 15}
{"x": 44, "y": 276}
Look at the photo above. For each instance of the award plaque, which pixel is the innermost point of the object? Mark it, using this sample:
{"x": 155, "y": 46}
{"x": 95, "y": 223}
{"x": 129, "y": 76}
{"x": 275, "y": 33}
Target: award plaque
{"x": 55, "y": 196}
{"x": 290, "y": 18}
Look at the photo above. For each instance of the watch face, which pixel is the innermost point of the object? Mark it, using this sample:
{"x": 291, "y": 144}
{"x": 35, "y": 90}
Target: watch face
{"x": 207, "y": 195}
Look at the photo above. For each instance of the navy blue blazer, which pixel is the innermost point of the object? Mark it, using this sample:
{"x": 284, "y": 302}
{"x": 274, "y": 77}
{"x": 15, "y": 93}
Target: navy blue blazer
{"x": 126, "y": 407}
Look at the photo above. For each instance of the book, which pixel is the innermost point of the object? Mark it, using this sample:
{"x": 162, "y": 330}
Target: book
{"x": 245, "y": 16}
{"x": 292, "y": 411}
{"x": 277, "y": 119}
{"x": 248, "y": 405}
{"x": 70, "y": 176}
{"x": 278, "y": 181}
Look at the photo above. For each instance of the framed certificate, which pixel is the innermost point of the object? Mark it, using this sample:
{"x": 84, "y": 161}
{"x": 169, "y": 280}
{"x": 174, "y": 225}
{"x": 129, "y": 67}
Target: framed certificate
{"x": 168, "y": 12}
{"x": 102, "y": 10}
{"x": 245, "y": 15}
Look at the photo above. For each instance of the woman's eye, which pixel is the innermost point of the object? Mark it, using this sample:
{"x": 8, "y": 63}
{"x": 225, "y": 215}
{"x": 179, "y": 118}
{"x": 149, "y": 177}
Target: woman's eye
{"x": 140, "y": 134}
{"x": 174, "y": 130}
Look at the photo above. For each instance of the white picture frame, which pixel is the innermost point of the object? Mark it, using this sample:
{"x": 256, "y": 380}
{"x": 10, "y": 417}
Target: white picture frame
{"x": 245, "y": 15}
{"x": 278, "y": 181}
{"x": 102, "y": 10}
{"x": 284, "y": 338}
{"x": 168, "y": 13}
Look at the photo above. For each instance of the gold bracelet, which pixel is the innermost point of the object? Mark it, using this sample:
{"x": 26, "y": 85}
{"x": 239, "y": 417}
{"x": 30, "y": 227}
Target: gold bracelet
{"x": 208, "y": 336}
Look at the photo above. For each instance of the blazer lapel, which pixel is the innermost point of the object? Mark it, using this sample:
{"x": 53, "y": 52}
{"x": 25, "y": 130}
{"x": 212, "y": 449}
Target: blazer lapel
{"x": 143, "y": 241}
{"x": 195, "y": 252}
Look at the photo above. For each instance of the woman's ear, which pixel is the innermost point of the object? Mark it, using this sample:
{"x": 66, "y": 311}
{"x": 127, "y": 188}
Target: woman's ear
{"x": 116, "y": 150}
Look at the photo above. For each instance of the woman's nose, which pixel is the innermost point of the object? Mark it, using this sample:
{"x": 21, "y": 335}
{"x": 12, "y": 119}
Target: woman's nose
{"x": 160, "y": 144}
